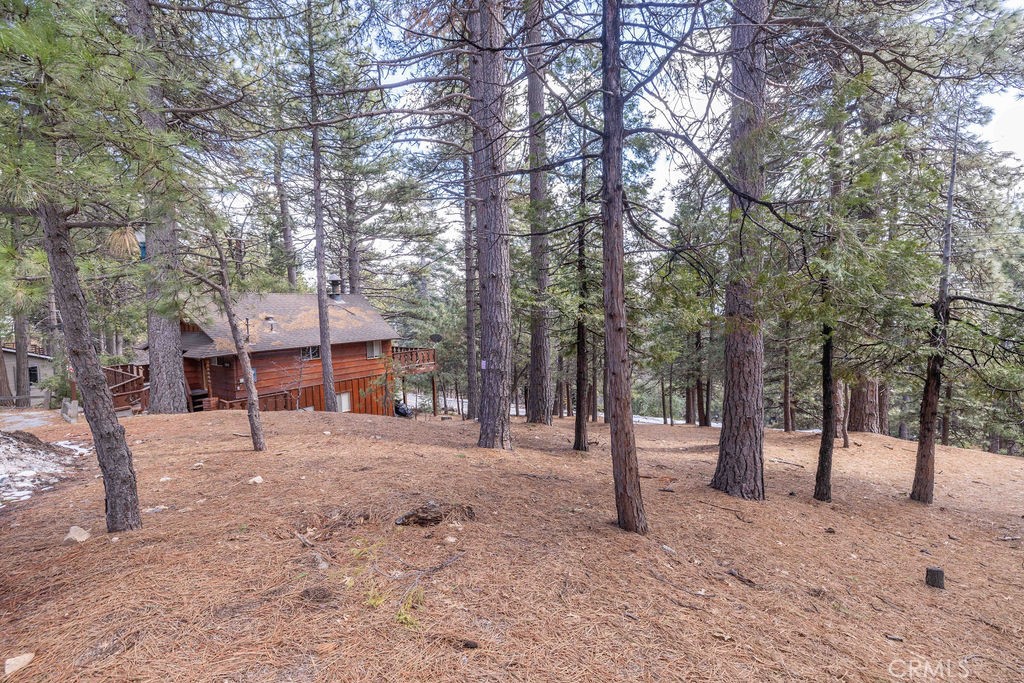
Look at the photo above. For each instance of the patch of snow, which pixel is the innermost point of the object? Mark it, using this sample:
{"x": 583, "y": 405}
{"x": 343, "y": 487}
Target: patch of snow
{"x": 25, "y": 468}
{"x": 79, "y": 449}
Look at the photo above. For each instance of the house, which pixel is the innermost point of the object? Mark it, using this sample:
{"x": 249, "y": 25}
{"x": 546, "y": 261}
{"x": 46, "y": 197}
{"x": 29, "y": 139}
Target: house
{"x": 282, "y": 332}
{"x": 40, "y": 367}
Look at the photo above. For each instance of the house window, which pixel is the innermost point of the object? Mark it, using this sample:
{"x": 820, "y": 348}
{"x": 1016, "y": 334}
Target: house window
{"x": 33, "y": 374}
{"x": 373, "y": 349}
{"x": 221, "y": 362}
{"x": 345, "y": 402}
{"x": 310, "y": 353}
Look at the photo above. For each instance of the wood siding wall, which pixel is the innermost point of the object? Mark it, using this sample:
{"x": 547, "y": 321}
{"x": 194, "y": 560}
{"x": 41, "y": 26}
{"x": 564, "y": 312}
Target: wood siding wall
{"x": 194, "y": 373}
{"x": 365, "y": 379}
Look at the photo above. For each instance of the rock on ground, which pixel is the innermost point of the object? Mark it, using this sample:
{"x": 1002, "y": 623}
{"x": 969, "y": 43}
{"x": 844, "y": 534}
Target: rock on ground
{"x": 76, "y": 534}
{"x": 18, "y": 663}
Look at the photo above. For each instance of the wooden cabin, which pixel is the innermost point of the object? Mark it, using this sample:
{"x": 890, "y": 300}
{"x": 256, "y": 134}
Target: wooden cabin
{"x": 284, "y": 348}
{"x": 283, "y": 336}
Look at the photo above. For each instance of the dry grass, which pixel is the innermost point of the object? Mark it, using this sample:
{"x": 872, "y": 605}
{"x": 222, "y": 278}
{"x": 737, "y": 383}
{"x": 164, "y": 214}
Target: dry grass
{"x": 220, "y": 586}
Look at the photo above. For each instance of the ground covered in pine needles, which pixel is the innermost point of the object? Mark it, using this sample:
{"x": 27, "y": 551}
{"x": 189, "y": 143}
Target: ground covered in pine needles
{"x": 306, "y": 577}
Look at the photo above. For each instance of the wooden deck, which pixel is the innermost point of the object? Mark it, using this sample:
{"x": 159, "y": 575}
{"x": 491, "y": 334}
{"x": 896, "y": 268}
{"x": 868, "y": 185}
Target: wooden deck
{"x": 412, "y": 360}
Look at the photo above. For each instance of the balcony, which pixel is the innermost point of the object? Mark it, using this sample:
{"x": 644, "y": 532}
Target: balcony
{"x": 413, "y": 361}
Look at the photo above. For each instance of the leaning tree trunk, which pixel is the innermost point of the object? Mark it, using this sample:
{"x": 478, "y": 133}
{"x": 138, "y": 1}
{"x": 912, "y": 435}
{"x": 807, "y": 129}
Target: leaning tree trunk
{"x": 740, "y": 469}
{"x": 115, "y": 458}
{"x": 252, "y": 396}
{"x": 320, "y": 247}
{"x": 619, "y": 402}
{"x": 472, "y": 361}
{"x": 167, "y": 386}
{"x": 538, "y": 406}
{"x": 487, "y": 110}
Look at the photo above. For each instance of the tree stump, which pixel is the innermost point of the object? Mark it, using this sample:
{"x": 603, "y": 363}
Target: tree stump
{"x": 934, "y": 577}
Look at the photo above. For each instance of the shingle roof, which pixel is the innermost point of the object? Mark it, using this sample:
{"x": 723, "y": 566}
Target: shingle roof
{"x": 296, "y": 324}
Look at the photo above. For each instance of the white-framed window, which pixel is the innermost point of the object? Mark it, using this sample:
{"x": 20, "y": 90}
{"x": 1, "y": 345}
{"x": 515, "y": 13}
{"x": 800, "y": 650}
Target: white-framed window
{"x": 33, "y": 374}
{"x": 345, "y": 402}
{"x": 374, "y": 349}
{"x": 310, "y": 353}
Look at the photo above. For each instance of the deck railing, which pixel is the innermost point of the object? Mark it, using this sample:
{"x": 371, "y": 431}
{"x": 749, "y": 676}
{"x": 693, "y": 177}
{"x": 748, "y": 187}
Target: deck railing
{"x": 412, "y": 360}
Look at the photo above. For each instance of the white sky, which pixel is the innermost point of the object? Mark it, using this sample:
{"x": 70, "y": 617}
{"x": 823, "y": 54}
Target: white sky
{"x": 1006, "y": 130}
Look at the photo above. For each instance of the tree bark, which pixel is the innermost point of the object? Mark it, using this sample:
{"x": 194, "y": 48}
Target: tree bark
{"x": 538, "y": 408}
{"x": 740, "y": 469}
{"x": 167, "y": 389}
{"x": 604, "y": 387}
{"x": 689, "y": 409}
{"x": 845, "y": 425}
{"x": 22, "y": 387}
{"x": 702, "y": 407}
{"x": 472, "y": 360}
{"x": 284, "y": 208}
{"x": 664, "y": 405}
{"x": 787, "y": 392}
{"x": 671, "y": 393}
{"x": 628, "y": 499}
{"x": 823, "y": 476}
{"x": 580, "y": 437}
{"x": 115, "y": 458}
{"x": 593, "y": 377}
{"x": 352, "y": 247}
{"x": 487, "y": 110}
{"x": 883, "y": 408}
{"x": 864, "y": 405}
{"x": 252, "y": 397}
{"x": 320, "y": 247}
{"x": 947, "y": 412}
{"x": 559, "y": 389}
{"x": 923, "y": 489}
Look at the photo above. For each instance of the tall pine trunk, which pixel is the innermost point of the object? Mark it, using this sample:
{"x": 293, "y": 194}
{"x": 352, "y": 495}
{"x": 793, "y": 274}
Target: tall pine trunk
{"x": 823, "y": 476}
{"x": 580, "y": 440}
{"x": 115, "y": 458}
{"x": 864, "y": 405}
{"x": 883, "y": 408}
{"x": 487, "y": 110}
{"x": 285, "y": 216}
{"x": 538, "y": 406}
{"x": 320, "y": 247}
{"x": 740, "y": 469}
{"x": 22, "y": 388}
{"x": 469, "y": 248}
{"x": 924, "y": 471}
{"x": 619, "y": 402}
{"x": 352, "y": 246}
{"x": 167, "y": 388}
{"x": 947, "y": 414}
{"x": 787, "y": 390}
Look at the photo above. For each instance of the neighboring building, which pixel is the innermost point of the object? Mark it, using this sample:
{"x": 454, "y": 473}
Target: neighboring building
{"x": 40, "y": 367}
{"x": 284, "y": 348}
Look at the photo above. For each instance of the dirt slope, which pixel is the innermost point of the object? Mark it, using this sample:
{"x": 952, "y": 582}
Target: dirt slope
{"x": 219, "y": 586}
